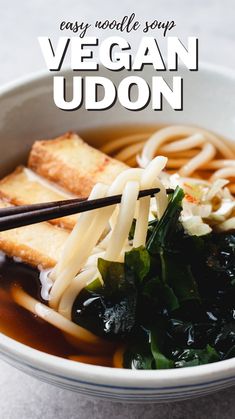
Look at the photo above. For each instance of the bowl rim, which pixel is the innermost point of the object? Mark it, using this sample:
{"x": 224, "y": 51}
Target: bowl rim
{"x": 106, "y": 376}
{"x": 17, "y": 352}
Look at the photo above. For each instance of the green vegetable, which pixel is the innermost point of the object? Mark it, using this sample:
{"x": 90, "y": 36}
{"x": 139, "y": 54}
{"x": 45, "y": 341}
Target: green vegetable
{"x": 137, "y": 261}
{"x": 139, "y": 357}
{"x": 108, "y": 310}
{"x": 172, "y": 301}
{"x": 177, "y": 273}
{"x": 158, "y": 291}
{"x": 179, "y": 284}
{"x": 230, "y": 353}
{"x": 165, "y": 228}
{"x": 161, "y": 361}
{"x": 169, "y": 297}
{"x": 193, "y": 357}
{"x": 113, "y": 275}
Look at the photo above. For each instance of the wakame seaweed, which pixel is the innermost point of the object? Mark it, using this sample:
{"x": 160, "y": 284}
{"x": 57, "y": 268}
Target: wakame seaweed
{"x": 108, "y": 310}
{"x": 172, "y": 303}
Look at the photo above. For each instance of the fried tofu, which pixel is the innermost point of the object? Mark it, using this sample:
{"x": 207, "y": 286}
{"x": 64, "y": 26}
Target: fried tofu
{"x": 73, "y": 164}
{"x": 39, "y": 245}
{"x": 23, "y": 188}
{"x": 70, "y": 164}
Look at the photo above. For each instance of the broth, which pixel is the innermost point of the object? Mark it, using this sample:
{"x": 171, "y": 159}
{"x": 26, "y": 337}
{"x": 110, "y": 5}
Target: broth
{"x": 99, "y": 136}
{"x": 19, "y": 323}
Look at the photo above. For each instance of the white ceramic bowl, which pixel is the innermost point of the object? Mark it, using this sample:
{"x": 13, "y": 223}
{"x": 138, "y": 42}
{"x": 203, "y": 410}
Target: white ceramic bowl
{"x": 27, "y": 113}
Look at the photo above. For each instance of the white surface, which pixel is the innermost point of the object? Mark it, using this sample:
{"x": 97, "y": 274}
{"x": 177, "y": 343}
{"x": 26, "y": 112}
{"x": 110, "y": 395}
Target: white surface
{"x": 23, "y": 397}
{"x": 21, "y": 22}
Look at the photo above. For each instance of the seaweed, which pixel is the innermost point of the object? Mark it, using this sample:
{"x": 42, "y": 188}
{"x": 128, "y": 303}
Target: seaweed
{"x": 172, "y": 301}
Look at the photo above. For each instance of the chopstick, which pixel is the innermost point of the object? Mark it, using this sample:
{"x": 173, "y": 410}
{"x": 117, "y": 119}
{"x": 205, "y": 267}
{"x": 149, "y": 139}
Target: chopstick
{"x": 22, "y": 215}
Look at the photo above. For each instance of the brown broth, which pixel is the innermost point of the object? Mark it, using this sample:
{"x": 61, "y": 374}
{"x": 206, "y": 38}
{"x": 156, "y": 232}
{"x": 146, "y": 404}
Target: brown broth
{"x": 101, "y": 135}
{"x": 22, "y": 325}
{"x": 19, "y": 323}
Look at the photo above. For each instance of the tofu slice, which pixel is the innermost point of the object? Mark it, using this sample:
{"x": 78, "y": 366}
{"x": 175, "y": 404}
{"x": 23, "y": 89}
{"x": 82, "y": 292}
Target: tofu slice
{"x": 73, "y": 164}
{"x": 39, "y": 245}
{"x": 23, "y": 187}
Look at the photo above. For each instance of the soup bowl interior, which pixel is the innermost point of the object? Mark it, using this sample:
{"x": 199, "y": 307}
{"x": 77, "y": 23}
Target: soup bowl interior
{"x": 28, "y": 113}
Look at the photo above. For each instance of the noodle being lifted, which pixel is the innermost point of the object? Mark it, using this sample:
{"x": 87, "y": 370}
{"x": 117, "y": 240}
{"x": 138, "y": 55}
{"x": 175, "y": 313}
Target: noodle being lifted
{"x": 145, "y": 284}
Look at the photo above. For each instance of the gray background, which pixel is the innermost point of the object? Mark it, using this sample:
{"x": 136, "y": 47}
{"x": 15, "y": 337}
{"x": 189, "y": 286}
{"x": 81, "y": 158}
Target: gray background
{"x": 213, "y": 21}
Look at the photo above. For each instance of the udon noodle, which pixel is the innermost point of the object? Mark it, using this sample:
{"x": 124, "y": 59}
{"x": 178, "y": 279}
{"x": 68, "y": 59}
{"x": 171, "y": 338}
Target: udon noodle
{"x": 197, "y": 160}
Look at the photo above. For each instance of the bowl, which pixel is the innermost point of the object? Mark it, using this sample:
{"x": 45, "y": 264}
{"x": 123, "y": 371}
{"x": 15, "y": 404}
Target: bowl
{"x": 28, "y": 113}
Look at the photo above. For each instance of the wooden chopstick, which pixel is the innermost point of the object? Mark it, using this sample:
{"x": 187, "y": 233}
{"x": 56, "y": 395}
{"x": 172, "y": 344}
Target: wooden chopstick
{"x": 33, "y": 207}
{"x": 19, "y": 216}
